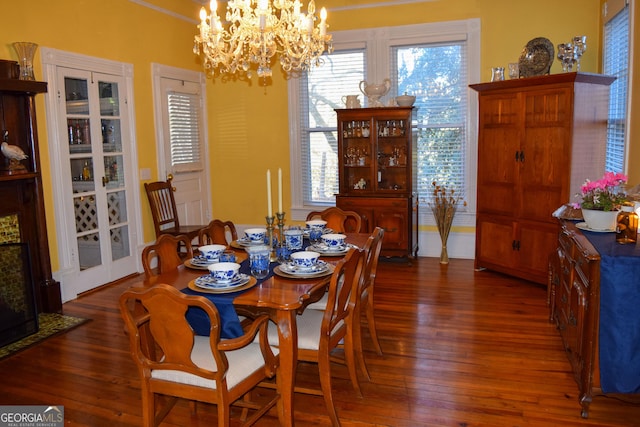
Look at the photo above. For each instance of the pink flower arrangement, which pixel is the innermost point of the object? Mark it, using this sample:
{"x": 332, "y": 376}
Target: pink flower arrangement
{"x": 605, "y": 194}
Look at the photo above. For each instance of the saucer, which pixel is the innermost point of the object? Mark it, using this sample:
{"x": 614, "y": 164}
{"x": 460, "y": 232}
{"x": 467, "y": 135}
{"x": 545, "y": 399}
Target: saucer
{"x": 280, "y": 271}
{"x": 584, "y": 226}
{"x": 203, "y": 261}
{"x": 324, "y": 250}
{"x": 319, "y": 267}
{"x": 208, "y": 282}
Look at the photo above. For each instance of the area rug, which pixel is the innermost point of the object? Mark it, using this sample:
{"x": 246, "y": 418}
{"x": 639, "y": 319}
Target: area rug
{"x": 50, "y": 324}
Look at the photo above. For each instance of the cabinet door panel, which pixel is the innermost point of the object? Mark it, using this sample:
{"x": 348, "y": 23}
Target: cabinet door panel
{"x": 545, "y": 149}
{"x": 395, "y": 228}
{"x": 534, "y": 243}
{"x": 496, "y": 242}
{"x": 498, "y": 145}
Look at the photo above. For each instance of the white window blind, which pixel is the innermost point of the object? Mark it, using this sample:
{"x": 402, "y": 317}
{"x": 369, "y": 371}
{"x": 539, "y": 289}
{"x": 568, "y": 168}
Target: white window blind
{"x": 616, "y": 63}
{"x": 184, "y": 131}
{"x": 437, "y": 75}
{"x": 321, "y": 92}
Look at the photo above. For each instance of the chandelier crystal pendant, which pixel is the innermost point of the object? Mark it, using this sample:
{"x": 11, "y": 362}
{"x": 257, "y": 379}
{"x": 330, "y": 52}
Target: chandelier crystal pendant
{"x": 258, "y": 30}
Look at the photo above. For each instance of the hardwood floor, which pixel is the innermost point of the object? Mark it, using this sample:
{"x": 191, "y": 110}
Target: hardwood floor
{"x": 461, "y": 348}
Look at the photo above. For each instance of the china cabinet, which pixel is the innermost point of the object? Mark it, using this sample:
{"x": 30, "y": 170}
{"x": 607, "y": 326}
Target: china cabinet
{"x": 22, "y": 214}
{"x": 539, "y": 138}
{"x": 377, "y": 168}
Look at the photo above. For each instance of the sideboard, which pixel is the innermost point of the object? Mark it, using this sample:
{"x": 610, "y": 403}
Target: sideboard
{"x": 594, "y": 299}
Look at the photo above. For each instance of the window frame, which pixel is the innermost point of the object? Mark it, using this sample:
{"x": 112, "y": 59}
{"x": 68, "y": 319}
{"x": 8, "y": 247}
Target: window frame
{"x": 378, "y": 44}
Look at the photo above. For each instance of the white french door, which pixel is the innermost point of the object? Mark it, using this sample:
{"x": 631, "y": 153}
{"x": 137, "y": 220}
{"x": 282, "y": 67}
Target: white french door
{"x": 95, "y": 207}
{"x": 181, "y": 132}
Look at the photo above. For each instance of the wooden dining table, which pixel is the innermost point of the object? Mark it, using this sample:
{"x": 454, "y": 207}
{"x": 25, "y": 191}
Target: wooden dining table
{"x": 280, "y": 298}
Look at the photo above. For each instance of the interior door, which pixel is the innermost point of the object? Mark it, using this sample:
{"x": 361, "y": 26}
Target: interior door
{"x": 96, "y": 161}
{"x": 183, "y": 148}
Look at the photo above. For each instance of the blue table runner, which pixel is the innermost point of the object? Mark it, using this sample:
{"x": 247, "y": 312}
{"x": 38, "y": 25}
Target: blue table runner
{"x": 619, "y": 334}
{"x": 230, "y": 323}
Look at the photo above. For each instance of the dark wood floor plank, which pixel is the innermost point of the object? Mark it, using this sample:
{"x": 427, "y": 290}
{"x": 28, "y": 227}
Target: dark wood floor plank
{"x": 461, "y": 348}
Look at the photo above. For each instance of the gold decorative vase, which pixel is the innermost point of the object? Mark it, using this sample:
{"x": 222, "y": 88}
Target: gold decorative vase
{"x": 26, "y": 51}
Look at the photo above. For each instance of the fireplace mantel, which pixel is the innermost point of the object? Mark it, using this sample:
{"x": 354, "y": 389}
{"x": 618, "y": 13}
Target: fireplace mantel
{"x": 21, "y": 187}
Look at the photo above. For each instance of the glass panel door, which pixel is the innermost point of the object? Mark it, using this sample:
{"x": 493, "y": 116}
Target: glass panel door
{"x": 96, "y": 165}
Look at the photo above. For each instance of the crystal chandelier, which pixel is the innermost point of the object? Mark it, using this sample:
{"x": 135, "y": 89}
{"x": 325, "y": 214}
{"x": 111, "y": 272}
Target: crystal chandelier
{"x": 257, "y": 30}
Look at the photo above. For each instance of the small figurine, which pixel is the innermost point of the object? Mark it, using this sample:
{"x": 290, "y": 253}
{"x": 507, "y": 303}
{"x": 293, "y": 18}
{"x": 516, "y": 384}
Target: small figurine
{"x": 360, "y": 185}
{"x": 13, "y": 153}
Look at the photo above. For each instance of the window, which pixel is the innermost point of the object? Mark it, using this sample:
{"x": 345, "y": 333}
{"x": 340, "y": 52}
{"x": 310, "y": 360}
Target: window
{"x": 616, "y": 63}
{"x": 435, "y": 62}
{"x": 184, "y": 134}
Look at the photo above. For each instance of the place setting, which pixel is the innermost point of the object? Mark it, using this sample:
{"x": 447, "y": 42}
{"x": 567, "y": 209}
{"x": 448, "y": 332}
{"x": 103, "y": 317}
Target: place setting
{"x": 304, "y": 264}
{"x": 209, "y": 255}
{"x": 252, "y": 237}
{"x": 330, "y": 245}
{"x": 223, "y": 277}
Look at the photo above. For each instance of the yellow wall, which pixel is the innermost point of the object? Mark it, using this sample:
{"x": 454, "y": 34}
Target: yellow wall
{"x": 247, "y": 123}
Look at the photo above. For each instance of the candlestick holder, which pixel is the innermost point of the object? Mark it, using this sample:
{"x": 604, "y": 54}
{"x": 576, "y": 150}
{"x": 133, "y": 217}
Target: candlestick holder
{"x": 280, "y": 217}
{"x": 272, "y": 252}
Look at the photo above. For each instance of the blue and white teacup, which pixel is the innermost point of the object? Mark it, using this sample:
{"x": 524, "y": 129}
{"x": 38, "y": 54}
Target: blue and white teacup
{"x": 212, "y": 252}
{"x": 224, "y": 271}
{"x": 316, "y": 224}
{"x": 293, "y": 238}
{"x": 256, "y": 235}
{"x": 334, "y": 241}
{"x": 304, "y": 260}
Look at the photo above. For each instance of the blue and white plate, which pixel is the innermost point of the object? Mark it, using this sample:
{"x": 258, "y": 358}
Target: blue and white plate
{"x": 202, "y": 261}
{"x": 305, "y": 231}
{"x": 319, "y": 267}
{"x": 208, "y": 282}
{"x": 245, "y": 241}
{"x": 323, "y": 249}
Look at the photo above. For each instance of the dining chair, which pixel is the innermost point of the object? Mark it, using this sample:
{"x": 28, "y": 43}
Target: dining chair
{"x": 371, "y": 255}
{"x": 218, "y": 232}
{"x": 340, "y": 221}
{"x": 175, "y": 363}
{"x": 167, "y": 252}
{"x": 365, "y": 304}
{"x": 320, "y": 332}
{"x": 164, "y": 211}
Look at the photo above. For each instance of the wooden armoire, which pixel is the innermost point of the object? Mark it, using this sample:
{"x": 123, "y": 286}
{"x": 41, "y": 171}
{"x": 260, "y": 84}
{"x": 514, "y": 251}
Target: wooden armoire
{"x": 539, "y": 138}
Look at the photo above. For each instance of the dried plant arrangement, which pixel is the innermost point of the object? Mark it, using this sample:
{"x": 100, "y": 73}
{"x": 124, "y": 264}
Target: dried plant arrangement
{"x": 444, "y": 205}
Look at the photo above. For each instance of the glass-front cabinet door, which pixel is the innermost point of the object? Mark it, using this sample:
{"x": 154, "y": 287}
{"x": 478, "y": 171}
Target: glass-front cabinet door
{"x": 96, "y": 168}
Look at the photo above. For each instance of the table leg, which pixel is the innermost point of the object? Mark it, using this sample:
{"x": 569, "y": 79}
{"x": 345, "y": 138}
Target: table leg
{"x": 286, "y": 376}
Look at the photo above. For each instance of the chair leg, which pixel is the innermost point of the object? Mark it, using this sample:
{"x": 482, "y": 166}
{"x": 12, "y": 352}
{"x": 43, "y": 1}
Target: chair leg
{"x": 324, "y": 367}
{"x": 349, "y": 356}
{"x": 357, "y": 344}
{"x": 371, "y": 322}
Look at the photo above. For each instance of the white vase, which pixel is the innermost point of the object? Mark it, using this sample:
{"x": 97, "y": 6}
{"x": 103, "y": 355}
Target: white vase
{"x": 600, "y": 220}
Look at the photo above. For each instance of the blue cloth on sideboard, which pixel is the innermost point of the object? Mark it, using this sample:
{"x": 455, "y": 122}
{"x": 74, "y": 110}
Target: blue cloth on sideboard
{"x": 619, "y": 334}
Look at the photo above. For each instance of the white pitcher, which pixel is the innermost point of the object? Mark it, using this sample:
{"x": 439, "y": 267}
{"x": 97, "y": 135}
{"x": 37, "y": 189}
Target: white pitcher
{"x": 351, "y": 101}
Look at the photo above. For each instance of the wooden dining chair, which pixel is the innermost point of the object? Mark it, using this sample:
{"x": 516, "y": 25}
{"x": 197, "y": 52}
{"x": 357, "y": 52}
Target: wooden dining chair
{"x": 340, "y": 221}
{"x": 321, "y": 332}
{"x": 218, "y": 232}
{"x": 164, "y": 211}
{"x": 168, "y": 251}
{"x": 365, "y": 303}
{"x": 371, "y": 255}
{"x": 175, "y": 363}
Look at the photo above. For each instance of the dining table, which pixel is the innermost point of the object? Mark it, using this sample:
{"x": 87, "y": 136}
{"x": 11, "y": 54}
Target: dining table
{"x": 281, "y": 298}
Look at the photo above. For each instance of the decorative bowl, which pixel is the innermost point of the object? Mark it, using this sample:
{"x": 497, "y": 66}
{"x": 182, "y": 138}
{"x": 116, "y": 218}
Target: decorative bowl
{"x": 304, "y": 260}
{"x": 405, "y": 100}
{"x": 224, "y": 271}
{"x": 212, "y": 252}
